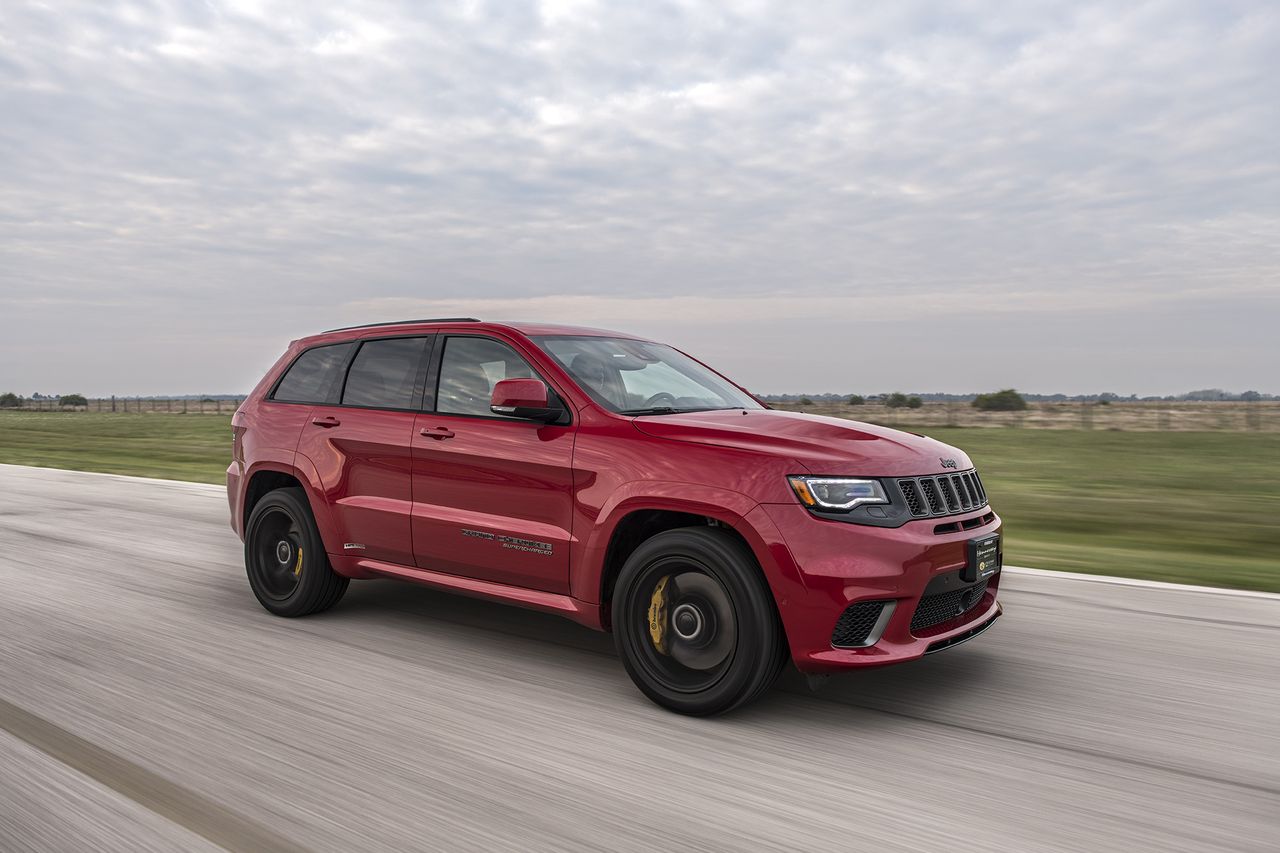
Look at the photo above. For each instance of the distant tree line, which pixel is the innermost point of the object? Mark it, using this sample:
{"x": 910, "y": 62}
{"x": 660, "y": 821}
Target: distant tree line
{"x": 10, "y": 400}
{"x": 1206, "y": 395}
{"x": 1007, "y": 400}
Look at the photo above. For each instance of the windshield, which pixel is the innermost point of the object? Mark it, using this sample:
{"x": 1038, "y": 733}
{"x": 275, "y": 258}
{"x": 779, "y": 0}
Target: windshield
{"x": 638, "y": 377}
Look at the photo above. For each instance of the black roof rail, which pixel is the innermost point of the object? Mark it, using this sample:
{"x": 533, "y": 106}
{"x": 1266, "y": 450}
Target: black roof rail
{"x": 405, "y": 323}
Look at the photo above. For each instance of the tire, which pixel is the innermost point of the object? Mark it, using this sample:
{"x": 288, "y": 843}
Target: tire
{"x": 715, "y": 642}
{"x": 285, "y": 560}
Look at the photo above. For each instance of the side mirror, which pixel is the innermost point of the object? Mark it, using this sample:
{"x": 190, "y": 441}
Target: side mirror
{"x": 523, "y": 398}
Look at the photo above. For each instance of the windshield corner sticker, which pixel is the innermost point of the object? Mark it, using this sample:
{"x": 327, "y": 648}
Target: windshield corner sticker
{"x": 513, "y": 542}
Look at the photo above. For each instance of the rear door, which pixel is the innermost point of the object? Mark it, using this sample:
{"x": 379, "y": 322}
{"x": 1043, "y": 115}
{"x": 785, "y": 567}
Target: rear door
{"x": 361, "y": 443}
{"x": 492, "y": 495}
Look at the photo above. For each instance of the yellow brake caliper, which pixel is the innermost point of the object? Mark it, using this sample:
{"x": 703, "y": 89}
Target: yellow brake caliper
{"x": 297, "y": 569}
{"x": 658, "y": 615}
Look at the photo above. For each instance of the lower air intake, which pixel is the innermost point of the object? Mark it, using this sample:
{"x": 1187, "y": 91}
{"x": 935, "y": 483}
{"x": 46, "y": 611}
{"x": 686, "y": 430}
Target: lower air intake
{"x": 945, "y": 606}
{"x": 856, "y": 624}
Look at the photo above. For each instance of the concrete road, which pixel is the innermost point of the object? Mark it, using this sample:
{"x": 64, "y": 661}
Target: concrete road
{"x": 148, "y": 703}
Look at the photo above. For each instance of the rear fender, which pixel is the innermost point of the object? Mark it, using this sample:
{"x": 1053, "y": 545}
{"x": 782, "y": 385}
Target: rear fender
{"x": 300, "y": 468}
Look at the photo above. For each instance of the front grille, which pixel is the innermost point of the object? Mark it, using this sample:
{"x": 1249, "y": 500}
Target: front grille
{"x": 943, "y": 494}
{"x": 945, "y": 606}
{"x": 856, "y": 623}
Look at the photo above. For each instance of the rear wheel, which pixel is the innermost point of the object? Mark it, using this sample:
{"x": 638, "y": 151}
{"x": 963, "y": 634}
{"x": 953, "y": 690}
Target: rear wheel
{"x": 284, "y": 557}
{"x": 695, "y": 623}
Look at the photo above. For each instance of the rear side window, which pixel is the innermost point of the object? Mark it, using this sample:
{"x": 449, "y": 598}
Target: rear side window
{"x": 384, "y": 374}
{"x": 315, "y": 375}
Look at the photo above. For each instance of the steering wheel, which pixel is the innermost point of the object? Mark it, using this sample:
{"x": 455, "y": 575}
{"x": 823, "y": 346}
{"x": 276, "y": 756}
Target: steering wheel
{"x": 662, "y": 398}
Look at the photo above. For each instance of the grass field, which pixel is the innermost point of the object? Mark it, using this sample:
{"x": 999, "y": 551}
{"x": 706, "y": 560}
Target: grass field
{"x": 174, "y": 447}
{"x": 1192, "y": 507}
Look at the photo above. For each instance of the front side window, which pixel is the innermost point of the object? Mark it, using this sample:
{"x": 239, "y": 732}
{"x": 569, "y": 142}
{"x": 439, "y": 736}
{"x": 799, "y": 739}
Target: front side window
{"x": 315, "y": 375}
{"x": 384, "y": 374}
{"x": 639, "y": 377}
{"x": 469, "y": 369}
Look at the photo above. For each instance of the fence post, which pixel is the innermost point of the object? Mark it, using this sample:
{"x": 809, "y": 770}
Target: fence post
{"x": 184, "y": 405}
{"x": 217, "y": 405}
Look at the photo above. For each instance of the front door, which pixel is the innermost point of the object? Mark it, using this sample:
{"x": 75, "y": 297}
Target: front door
{"x": 492, "y": 495}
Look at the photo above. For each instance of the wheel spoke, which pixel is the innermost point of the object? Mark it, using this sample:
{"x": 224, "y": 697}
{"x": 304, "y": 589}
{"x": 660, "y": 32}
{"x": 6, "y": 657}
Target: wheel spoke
{"x": 277, "y": 555}
{"x": 691, "y": 644}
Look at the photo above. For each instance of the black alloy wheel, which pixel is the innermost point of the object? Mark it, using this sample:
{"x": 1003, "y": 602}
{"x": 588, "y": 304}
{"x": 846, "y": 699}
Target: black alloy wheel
{"x": 285, "y": 559}
{"x": 695, "y": 623}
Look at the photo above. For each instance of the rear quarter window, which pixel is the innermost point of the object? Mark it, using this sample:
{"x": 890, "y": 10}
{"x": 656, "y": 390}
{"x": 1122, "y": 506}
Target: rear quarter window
{"x": 315, "y": 376}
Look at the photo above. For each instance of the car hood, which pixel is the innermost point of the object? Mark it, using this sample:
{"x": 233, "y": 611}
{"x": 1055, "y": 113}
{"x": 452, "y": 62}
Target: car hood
{"x": 823, "y": 445}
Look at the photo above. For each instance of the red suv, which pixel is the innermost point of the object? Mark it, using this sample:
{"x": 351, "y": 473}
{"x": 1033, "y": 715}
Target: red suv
{"x": 615, "y": 481}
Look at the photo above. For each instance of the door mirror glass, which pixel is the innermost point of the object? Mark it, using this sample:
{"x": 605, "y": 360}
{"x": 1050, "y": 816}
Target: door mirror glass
{"x": 523, "y": 398}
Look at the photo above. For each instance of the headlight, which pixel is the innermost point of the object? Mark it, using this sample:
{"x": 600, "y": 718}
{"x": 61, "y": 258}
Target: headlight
{"x": 832, "y": 493}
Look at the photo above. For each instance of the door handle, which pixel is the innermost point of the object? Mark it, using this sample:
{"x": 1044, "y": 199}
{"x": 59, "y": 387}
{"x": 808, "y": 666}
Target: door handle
{"x": 438, "y": 433}
{"x": 326, "y": 421}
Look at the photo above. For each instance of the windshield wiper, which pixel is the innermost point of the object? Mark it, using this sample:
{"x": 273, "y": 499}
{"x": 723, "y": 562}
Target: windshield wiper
{"x": 669, "y": 410}
{"x": 653, "y": 410}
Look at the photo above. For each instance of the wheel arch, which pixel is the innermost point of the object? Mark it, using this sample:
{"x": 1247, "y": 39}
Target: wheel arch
{"x": 273, "y": 474}
{"x": 640, "y": 525}
{"x": 641, "y": 511}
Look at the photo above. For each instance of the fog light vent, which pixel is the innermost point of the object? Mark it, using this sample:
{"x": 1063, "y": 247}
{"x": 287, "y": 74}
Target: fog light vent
{"x": 859, "y": 625}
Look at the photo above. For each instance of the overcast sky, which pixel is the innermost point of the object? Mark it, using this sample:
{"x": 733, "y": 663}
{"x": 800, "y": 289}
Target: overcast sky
{"x": 852, "y": 196}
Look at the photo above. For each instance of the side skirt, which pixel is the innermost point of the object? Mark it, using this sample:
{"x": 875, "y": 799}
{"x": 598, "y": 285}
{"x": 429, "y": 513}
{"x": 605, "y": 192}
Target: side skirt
{"x": 581, "y": 612}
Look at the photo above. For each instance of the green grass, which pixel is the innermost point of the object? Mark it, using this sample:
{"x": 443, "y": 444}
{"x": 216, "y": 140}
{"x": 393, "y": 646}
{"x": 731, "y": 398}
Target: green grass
{"x": 1191, "y": 507}
{"x": 172, "y": 447}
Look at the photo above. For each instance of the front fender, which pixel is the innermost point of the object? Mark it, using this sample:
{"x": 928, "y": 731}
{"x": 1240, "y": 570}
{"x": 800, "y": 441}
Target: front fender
{"x": 724, "y": 505}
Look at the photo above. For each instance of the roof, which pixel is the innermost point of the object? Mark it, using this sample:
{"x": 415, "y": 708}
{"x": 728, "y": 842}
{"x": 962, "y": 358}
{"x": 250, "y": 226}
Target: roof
{"x": 522, "y": 328}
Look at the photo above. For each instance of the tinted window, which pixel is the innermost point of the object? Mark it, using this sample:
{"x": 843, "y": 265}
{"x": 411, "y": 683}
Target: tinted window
{"x": 315, "y": 376}
{"x": 470, "y": 368}
{"x": 384, "y": 374}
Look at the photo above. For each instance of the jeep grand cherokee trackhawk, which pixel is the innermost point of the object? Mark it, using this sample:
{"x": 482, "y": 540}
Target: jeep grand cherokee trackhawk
{"x": 615, "y": 481}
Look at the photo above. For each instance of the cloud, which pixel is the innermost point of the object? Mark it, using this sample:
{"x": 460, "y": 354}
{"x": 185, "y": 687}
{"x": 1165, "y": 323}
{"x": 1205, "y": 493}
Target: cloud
{"x": 262, "y": 169}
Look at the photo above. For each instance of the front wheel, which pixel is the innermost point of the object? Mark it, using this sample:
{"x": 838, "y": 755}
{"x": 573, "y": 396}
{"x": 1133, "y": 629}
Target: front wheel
{"x": 284, "y": 556}
{"x": 695, "y": 623}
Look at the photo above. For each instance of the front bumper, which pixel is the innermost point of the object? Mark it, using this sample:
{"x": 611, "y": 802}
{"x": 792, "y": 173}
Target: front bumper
{"x": 820, "y": 567}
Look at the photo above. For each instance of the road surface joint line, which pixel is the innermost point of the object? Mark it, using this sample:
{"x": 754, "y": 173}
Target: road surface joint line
{"x": 1137, "y": 611}
{"x": 182, "y": 806}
